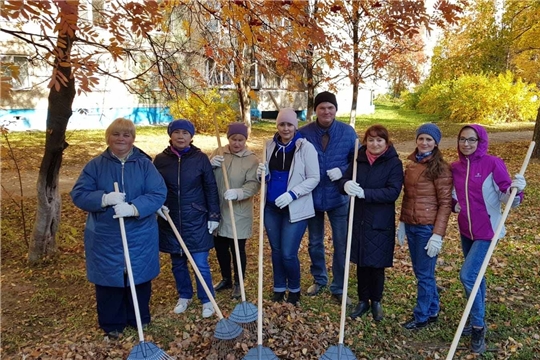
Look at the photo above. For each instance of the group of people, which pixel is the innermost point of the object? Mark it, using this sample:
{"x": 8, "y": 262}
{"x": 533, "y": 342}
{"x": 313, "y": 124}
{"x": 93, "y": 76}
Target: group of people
{"x": 309, "y": 172}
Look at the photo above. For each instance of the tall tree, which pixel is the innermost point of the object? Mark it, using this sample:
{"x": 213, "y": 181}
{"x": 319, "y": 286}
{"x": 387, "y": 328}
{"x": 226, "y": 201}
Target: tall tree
{"x": 56, "y": 36}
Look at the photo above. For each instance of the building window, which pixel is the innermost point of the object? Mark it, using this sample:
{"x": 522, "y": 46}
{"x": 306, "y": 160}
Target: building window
{"x": 15, "y": 67}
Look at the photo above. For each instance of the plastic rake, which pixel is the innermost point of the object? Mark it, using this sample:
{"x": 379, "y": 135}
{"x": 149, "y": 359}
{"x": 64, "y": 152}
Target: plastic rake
{"x": 227, "y": 331}
{"x": 487, "y": 258}
{"x": 144, "y": 350}
{"x": 341, "y": 352}
{"x": 261, "y": 352}
{"x": 245, "y": 313}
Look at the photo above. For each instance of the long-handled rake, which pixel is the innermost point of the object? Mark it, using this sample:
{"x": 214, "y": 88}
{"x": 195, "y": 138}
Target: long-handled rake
{"x": 340, "y": 351}
{"x": 227, "y": 331}
{"x": 487, "y": 258}
{"x": 143, "y": 350}
{"x": 261, "y": 352}
{"x": 245, "y": 313}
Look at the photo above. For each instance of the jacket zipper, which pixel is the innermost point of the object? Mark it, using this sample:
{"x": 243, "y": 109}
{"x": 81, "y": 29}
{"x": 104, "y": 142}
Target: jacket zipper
{"x": 178, "y": 197}
{"x": 467, "y": 203}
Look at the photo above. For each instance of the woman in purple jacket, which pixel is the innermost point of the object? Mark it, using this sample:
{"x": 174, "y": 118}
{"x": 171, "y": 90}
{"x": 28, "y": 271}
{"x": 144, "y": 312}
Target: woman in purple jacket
{"x": 481, "y": 185}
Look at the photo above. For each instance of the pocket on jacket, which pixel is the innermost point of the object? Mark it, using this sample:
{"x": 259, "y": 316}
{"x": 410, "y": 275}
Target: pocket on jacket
{"x": 199, "y": 207}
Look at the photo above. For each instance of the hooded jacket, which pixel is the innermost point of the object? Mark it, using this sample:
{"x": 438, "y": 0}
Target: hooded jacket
{"x": 242, "y": 174}
{"x": 481, "y": 186}
{"x": 303, "y": 178}
{"x": 192, "y": 199}
{"x": 145, "y": 189}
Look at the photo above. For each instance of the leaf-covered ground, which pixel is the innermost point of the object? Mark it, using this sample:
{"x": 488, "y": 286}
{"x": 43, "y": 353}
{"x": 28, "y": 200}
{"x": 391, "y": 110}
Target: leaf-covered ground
{"x": 48, "y": 311}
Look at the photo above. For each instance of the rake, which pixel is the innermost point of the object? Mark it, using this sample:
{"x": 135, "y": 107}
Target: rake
{"x": 261, "y": 352}
{"x": 245, "y": 313}
{"x": 227, "y": 332}
{"x": 341, "y": 352}
{"x": 143, "y": 350}
{"x": 494, "y": 241}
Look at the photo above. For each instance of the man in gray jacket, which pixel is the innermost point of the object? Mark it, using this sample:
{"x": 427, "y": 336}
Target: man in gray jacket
{"x": 334, "y": 142}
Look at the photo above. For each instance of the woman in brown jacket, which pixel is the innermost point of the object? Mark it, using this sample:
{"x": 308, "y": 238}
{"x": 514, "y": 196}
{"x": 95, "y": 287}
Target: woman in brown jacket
{"x": 426, "y": 207}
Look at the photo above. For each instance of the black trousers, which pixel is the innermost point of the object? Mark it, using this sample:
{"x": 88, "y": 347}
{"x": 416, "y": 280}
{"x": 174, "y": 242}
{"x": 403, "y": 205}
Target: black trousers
{"x": 370, "y": 283}
{"x": 115, "y": 306}
{"x": 225, "y": 254}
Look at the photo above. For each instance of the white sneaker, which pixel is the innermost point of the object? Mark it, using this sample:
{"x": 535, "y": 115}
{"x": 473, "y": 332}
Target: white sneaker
{"x": 181, "y": 305}
{"x": 207, "y": 310}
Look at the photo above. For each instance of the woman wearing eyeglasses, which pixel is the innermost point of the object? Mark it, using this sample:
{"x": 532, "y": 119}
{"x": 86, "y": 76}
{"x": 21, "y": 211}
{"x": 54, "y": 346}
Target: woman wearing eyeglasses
{"x": 481, "y": 185}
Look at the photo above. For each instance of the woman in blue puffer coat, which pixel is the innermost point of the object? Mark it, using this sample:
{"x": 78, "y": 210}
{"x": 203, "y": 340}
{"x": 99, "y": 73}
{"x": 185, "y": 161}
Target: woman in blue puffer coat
{"x": 142, "y": 192}
{"x": 193, "y": 202}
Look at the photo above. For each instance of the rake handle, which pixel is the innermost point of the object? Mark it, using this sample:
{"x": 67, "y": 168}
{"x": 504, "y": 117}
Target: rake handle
{"x": 261, "y": 243}
{"x": 487, "y": 258}
{"x": 348, "y": 251}
{"x": 233, "y": 221}
{"x": 193, "y": 264}
{"x": 130, "y": 274}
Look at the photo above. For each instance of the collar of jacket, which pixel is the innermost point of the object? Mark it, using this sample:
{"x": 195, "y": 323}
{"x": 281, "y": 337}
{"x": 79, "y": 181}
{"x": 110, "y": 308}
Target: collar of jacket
{"x": 321, "y": 131}
{"x": 412, "y": 157}
{"x": 242, "y": 153}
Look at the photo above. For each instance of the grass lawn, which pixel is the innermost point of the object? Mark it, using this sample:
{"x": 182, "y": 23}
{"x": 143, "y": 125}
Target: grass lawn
{"x": 48, "y": 311}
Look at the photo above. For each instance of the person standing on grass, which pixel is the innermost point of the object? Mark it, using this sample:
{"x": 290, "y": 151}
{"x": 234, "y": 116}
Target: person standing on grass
{"x": 241, "y": 166}
{"x": 334, "y": 142}
{"x": 426, "y": 207}
{"x": 193, "y": 202}
{"x": 292, "y": 172}
{"x": 142, "y": 192}
{"x": 482, "y": 184}
{"x": 379, "y": 178}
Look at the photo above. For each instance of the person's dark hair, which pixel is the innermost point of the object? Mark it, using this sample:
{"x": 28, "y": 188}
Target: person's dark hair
{"x": 377, "y": 130}
{"x": 436, "y": 165}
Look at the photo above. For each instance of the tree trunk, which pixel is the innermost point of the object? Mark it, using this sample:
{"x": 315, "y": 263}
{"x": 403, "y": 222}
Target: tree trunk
{"x": 355, "y": 78}
{"x": 49, "y": 201}
{"x": 244, "y": 101}
{"x": 536, "y": 137}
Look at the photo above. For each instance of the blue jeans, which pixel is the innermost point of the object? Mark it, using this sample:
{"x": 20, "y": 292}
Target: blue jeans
{"x": 474, "y": 252}
{"x": 285, "y": 238}
{"x": 183, "y": 279}
{"x": 427, "y": 297}
{"x": 339, "y": 224}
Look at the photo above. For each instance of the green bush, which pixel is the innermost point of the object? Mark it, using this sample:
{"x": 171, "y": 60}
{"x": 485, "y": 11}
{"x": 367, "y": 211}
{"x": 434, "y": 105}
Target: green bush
{"x": 481, "y": 99}
{"x": 200, "y": 109}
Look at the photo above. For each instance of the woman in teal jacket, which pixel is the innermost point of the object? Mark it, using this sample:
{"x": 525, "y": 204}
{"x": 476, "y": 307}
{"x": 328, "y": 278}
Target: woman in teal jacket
{"x": 142, "y": 192}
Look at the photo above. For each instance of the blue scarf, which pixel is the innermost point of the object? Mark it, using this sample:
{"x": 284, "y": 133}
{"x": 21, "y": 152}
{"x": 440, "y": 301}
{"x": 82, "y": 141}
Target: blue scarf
{"x": 420, "y": 157}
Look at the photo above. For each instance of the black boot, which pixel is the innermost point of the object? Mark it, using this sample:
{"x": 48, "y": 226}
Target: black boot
{"x": 223, "y": 285}
{"x": 376, "y": 310}
{"x": 278, "y": 296}
{"x": 236, "y": 293}
{"x": 361, "y": 309}
{"x": 293, "y": 297}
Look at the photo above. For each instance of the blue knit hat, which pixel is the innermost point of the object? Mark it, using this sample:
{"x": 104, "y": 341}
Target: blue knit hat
{"x": 430, "y": 129}
{"x": 181, "y": 124}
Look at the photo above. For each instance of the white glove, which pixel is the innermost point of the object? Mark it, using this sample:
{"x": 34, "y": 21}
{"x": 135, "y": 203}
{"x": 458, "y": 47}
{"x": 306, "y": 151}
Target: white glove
{"x": 434, "y": 245}
{"x": 212, "y": 225}
{"x": 353, "y": 189}
{"x": 283, "y": 200}
{"x": 124, "y": 210}
{"x": 234, "y": 194}
{"x": 401, "y": 233}
{"x": 216, "y": 161}
{"x": 334, "y": 174}
{"x": 519, "y": 182}
{"x": 161, "y": 212}
{"x": 457, "y": 208}
{"x": 262, "y": 168}
{"x": 113, "y": 198}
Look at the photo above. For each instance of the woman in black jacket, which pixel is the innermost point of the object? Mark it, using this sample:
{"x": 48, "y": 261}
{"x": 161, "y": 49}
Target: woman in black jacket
{"x": 192, "y": 199}
{"x": 379, "y": 178}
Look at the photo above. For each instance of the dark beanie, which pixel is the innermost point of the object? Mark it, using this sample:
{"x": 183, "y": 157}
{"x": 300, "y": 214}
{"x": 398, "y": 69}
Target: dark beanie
{"x": 181, "y": 124}
{"x": 325, "y": 96}
{"x": 237, "y": 128}
{"x": 430, "y": 129}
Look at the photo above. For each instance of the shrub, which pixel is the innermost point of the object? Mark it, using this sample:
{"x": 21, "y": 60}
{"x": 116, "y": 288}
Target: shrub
{"x": 481, "y": 99}
{"x": 201, "y": 108}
